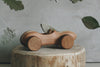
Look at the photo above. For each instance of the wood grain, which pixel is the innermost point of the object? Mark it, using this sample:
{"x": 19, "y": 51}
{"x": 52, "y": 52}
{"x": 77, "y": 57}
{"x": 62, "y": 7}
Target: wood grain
{"x": 34, "y": 43}
{"x": 48, "y": 39}
{"x": 48, "y": 57}
{"x": 67, "y": 42}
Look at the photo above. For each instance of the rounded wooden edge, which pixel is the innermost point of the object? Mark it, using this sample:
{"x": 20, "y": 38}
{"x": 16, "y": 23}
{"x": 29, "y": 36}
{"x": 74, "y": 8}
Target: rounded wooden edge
{"x": 23, "y": 35}
{"x": 67, "y": 42}
{"x": 71, "y": 34}
{"x": 48, "y": 51}
{"x": 34, "y": 43}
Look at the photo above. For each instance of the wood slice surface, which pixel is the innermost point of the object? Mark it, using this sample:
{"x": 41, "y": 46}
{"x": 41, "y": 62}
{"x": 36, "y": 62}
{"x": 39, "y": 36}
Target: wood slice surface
{"x": 48, "y": 57}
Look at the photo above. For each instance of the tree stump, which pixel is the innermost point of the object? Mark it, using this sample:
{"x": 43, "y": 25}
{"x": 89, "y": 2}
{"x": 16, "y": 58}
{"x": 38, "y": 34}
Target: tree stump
{"x": 48, "y": 57}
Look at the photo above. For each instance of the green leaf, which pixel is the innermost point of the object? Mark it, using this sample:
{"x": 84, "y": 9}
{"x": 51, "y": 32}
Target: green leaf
{"x": 90, "y": 22}
{"x": 75, "y": 1}
{"x": 14, "y": 4}
{"x": 56, "y": 1}
{"x": 46, "y": 28}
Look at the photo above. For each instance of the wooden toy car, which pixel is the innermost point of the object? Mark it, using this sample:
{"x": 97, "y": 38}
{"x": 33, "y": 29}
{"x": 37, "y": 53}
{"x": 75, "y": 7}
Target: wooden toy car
{"x": 34, "y": 40}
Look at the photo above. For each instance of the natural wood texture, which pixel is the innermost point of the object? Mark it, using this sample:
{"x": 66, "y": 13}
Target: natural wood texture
{"x": 48, "y": 57}
{"x": 27, "y": 39}
{"x": 67, "y": 42}
{"x": 34, "y": 43}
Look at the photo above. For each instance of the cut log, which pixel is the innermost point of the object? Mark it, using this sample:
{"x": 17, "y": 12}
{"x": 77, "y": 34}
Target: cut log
{"x": 48, "y": 57}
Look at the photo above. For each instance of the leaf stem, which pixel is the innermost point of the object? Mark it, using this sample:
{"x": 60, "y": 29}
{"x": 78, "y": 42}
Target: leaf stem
{"x": 56, "y": 1}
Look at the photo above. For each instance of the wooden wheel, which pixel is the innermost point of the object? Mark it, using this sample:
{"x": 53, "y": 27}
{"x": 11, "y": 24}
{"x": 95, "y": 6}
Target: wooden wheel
{"x": 67, "y": 42}
{"x": 34, "y": 43}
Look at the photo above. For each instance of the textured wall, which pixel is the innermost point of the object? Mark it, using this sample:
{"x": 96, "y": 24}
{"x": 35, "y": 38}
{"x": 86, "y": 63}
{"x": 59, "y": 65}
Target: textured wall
{"x": 62, "y": 15}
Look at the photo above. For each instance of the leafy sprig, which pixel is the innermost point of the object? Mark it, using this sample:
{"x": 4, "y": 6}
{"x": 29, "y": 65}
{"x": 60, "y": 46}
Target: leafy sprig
{"x": 90, "y": 22}
{"x": 14, "y": 4}
{"x": 75, "y": 1}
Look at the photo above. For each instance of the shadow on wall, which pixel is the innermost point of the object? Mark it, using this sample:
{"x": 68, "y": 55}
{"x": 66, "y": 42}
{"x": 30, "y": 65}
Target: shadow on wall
{"x": 8, "y": 36}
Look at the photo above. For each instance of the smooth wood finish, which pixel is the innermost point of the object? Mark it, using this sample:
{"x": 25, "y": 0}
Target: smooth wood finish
{"x": 67, "y": 42}
{"x": 48, "y": 57}
{"x": 34, "y": 43}
{"x": 27, "y": 39}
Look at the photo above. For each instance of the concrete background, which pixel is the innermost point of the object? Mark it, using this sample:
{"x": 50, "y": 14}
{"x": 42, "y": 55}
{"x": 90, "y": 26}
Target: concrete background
{"x": 63, "y": 16}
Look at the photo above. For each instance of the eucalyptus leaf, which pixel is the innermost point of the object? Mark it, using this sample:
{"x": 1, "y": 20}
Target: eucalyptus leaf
{"x": 75, "y": 1}
{"x": 90, "y": 22}
{"x": 55, "y": 0}
{"x": 14, "y": 4}
{"x": 8, "y": 36}
{"x": 46, "y": 28}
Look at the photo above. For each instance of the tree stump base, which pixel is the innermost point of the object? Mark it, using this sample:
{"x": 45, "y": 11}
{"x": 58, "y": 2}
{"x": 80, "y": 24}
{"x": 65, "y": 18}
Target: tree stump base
{"x": 48, "y": 57}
